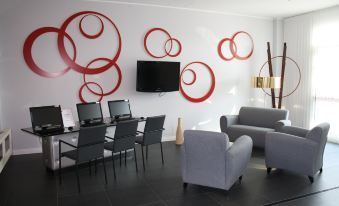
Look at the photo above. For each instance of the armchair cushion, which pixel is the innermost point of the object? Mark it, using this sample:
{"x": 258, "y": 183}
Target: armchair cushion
{"x": 256, "y": 133}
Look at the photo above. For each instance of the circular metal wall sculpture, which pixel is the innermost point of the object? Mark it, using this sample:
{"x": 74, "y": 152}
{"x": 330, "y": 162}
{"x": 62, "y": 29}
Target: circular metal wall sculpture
{"x": 71, "y": 61}
{"x": 210, "y": 91}
{"x": 169, "y": 40}
{"x": 299, "y": 80}
{"x": 233, "y": 47}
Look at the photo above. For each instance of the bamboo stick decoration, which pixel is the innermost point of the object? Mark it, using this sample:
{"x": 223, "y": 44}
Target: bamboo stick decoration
{"x": 282, "y": 76}
{"x": 270, "y": 72}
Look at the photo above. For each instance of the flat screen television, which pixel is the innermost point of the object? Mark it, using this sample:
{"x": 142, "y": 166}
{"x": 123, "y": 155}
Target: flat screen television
{"x": 158, "y": 76}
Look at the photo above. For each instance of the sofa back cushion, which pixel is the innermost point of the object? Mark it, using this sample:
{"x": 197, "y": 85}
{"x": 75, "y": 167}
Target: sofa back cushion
{"x": 261, "y": 117}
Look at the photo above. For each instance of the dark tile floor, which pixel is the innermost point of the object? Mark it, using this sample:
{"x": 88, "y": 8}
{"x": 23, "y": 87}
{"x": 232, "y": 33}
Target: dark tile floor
{"x": 25, "y": 181}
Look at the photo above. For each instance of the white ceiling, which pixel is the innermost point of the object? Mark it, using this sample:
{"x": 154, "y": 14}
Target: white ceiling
{"x": 258, "y": 8}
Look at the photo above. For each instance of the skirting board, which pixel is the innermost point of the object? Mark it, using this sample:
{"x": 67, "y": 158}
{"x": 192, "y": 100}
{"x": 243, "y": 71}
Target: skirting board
{"x": 27, "y": 151}
{"x": 39, "y": 150}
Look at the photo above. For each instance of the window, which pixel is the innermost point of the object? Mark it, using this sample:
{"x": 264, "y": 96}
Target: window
{"x": 325, "y": 45}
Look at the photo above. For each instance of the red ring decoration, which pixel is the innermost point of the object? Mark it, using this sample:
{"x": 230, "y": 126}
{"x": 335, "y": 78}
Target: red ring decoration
{"x": 85, "y": 84}
{"x": 233, "y": 47}
{"x": 298, "y": 80}
{"x": 27, "y": 51}
{"x": 89, "y": 36}
{"x": 170, "y": 39}
{"x": 210, "y": 91}
{"x": 145, "y": 41}
{"x": 73, "y": 64}
{"x": 234, "y": 52}
{"x": 116, "y": 86}
{"x": 220, "y": 48}
{"x": 179, "y": 46}
{"x": 194, "y": 77}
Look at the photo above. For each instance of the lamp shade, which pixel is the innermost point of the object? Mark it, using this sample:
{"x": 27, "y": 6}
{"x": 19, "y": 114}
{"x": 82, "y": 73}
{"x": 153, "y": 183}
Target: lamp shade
{"x": 266, "y": 82}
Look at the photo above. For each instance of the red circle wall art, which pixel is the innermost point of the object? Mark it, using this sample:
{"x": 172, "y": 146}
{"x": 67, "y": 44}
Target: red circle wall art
{"x": 169, "y": 41}
{"x": 211, "y": 89}
{"x": 233, "y": 47}
{"x": 71, "y": 61}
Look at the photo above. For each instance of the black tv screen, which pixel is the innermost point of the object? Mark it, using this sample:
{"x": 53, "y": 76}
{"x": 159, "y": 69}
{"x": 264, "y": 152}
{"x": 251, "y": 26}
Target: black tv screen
{"x": 158, "y": 76}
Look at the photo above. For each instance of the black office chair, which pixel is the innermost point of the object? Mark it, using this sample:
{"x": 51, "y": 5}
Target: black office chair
{"x": 90, "y": 147}
{"x": 152, "y": 135}
{"x": 124, "y": 139}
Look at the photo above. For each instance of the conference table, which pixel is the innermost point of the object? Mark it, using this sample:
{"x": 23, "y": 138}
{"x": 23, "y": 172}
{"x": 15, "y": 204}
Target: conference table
{"x": 50, "y": 142}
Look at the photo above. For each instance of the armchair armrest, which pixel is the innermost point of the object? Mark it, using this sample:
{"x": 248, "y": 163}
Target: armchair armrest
{"x": 227, "y": 120}
{"x": 296, "y": 131}
{"x": 237, "y": 158}
{"x": 290, "y": 152}
{"x": 281, "y": 123}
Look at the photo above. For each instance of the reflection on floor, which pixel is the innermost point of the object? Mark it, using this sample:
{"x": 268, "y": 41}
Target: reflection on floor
{"x": 25, "y": 181}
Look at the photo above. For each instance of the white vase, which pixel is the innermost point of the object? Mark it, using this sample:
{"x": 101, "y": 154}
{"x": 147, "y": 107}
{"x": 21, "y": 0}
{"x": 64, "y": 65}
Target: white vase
{"x": 179, "y": 135}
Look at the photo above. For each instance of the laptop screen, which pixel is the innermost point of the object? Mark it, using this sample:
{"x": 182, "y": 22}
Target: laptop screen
{"x": 119, "y": 108}
{"x": 89, "y": 111}
{"x": 46, "y": 116}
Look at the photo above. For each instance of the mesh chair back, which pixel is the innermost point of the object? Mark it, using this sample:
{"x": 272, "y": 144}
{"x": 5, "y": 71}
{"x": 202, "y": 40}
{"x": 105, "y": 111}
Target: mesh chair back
{"x": 124, "y": 137}
{"x": 91, "y": 143}
{"x": 153, "y": 129}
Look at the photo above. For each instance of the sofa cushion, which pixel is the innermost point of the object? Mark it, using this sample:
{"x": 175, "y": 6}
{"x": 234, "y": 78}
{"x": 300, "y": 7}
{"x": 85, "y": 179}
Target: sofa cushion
{"x": 256, "y": 133}
{"x": 261, "y": 117}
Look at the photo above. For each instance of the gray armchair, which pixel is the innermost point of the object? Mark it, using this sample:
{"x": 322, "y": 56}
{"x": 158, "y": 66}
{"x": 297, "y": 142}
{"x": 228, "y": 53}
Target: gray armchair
{"x": 254, "y": 122}
{"x": 296, "y": 149}
{"x": 209, "y": 159}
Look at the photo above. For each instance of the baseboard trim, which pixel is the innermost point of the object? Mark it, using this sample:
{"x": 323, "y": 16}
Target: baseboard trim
{"x": 168, "y": 138}
{"x": 27, "y": 151}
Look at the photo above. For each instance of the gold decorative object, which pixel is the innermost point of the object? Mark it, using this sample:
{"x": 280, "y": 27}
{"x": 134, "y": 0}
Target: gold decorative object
{"x": 179, "y": 135}
{"x": 266, "y": 82}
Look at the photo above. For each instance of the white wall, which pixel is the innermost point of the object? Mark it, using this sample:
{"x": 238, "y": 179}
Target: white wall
{"x": 199, "y": 33}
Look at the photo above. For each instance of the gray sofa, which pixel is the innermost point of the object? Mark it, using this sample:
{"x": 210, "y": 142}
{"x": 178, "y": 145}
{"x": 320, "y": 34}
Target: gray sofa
{"x": 296, "y": 149}
{"x": 254, "y": 122}
{"x": 209, "y": 159}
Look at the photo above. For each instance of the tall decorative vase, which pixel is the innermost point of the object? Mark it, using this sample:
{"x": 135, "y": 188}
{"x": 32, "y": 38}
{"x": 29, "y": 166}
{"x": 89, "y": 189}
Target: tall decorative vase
{"x": 179, "y": 134}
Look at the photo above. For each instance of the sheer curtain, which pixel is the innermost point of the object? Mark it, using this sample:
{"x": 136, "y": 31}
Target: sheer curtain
{"x": 325, "y": 45}
{"x": 313, "y": 41}
{"x": 298, "y": 36}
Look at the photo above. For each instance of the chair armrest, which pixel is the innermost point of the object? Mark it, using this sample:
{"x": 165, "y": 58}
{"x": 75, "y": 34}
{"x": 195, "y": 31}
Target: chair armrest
{"x": 108, "y": 137}
{"x": 158, "y": 130}
{"x": 66, "y": 143}
{"x": 296, "y": 131}
{"x": 227, "y": 120}
{"x": 283, "y": 148}
{"x": 237, "y": 158}
{"x": 281, "y": 123}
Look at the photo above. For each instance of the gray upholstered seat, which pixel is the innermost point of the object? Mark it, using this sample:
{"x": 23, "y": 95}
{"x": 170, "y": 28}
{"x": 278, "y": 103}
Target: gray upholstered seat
{"x": 254, "y": 122}
{"x": 296, "y": 149}
{"x": 208, "y": 159}
{"x": 256, "y": 133}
